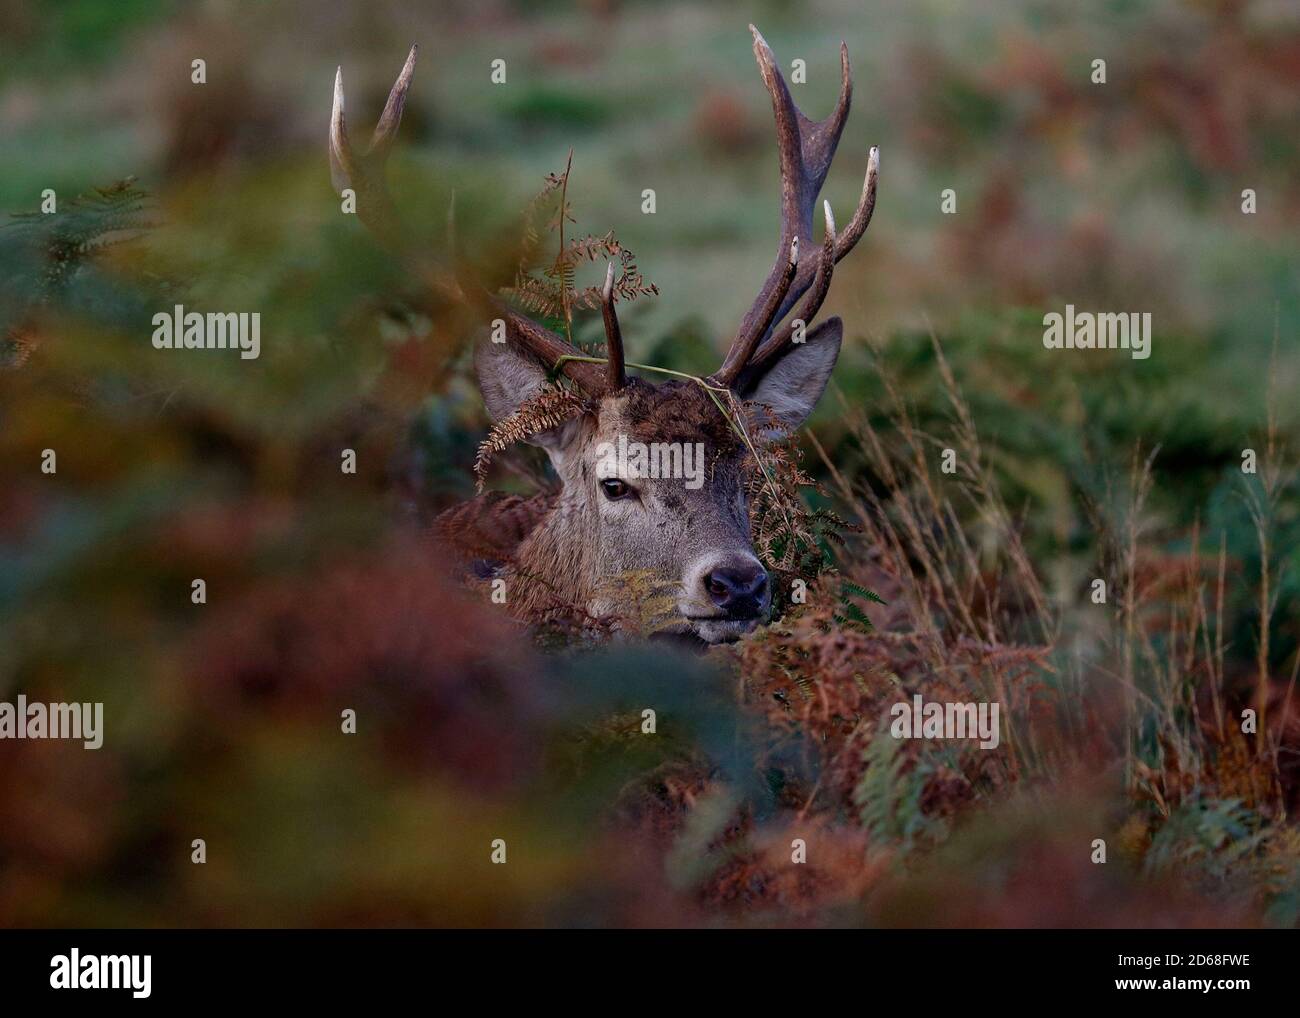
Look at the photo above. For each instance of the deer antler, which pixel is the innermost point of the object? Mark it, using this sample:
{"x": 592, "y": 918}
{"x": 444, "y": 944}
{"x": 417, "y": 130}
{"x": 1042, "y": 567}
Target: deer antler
{"x": 364, "y": 173}
{"x": 805, "y": 148}
{"x": 742, "y": 348}
{"x": 821, "y": 285}
{"x": 616, "y": 378}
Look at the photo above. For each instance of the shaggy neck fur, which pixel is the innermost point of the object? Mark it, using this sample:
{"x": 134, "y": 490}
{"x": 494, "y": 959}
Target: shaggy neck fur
{"x": 554, "y": 567}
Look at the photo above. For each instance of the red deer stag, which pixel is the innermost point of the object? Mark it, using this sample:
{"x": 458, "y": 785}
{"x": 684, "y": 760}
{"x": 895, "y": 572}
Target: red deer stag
{"x": 562, "y": 548}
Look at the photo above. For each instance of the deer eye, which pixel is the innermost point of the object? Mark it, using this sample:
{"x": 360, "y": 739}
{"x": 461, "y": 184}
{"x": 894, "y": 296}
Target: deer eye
{"x": 615, "y": 489}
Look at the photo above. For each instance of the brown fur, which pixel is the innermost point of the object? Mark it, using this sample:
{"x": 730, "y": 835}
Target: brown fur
{"x": 493, "y": 525}
{"x": 677, "y": 411}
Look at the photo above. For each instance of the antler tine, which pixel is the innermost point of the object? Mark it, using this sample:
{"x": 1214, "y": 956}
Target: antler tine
{"x": 812, "y": 303}
{"x": 364, "y": 172}
{"x": 806, "y": 148}
{"x": 742, "y": 347}
{"x": 381, "y": 142}
{"x": 615, "y": 375}
{"x": 866, "y": 206}
{"x": 342, "y": 165}
{"x": 857, "y": 227}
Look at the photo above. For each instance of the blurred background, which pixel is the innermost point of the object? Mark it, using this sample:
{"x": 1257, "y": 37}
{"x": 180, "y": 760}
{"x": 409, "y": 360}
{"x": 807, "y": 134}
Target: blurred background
{"x": 223, "y": 719}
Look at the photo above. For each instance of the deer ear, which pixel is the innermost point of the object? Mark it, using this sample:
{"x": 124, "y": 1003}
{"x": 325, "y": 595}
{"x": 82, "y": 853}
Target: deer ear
{"x": 507, "y": 377}
{"x": 795, "y": 381}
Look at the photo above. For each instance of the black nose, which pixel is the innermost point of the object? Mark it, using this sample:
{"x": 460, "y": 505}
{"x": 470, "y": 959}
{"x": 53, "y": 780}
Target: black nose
{"x": 738, "y": 590}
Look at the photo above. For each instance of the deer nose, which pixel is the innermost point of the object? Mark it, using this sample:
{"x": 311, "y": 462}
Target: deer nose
{"x": 738, "y": 589}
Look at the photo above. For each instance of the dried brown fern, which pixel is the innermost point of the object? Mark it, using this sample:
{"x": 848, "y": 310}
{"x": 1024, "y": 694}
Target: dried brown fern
{"x": 789, "y": 535}
{"x": 548, "y": 408}
{"x": 552, "y": 292}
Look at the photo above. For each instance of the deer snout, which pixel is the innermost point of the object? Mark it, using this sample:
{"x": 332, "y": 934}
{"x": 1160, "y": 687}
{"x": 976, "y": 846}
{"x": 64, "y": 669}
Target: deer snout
{"x": 738, "y": 588}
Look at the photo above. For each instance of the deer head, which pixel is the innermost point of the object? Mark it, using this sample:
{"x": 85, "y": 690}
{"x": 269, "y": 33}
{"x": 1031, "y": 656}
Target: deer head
{"x": 619, "y": 511}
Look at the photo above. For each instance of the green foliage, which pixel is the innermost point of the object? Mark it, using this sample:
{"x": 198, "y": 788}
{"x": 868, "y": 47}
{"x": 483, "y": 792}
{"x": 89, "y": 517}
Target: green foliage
{"x": 538, "y": 106}
{"x": 59, "y": 34}
{"x": 1208, "y": 837}
{"x": 52, "y": 259}
{"x": 888, "y": 796}
{"x": 851, "y": 614}
{"x": 1284, "y": 904}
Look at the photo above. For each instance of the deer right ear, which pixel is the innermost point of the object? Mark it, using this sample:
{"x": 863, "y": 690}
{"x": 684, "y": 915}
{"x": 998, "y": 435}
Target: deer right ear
{"x": 793, "y": 383}
{"x": 507, "y": 377}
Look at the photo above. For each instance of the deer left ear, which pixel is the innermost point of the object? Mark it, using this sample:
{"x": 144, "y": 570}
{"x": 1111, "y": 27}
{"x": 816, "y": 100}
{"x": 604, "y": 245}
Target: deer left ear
{"x": 794, "y": 382}
{"x": 507, "y": 378}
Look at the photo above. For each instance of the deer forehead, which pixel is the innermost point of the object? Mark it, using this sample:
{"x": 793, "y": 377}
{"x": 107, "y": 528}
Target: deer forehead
{"x": 672, "y": 411}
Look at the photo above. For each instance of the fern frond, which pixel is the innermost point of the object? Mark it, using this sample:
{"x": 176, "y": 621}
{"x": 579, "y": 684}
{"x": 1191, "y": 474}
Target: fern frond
{"x": 551, "y": 290}
{"x": 546, "y": 409}
{"x": 852, "y": 587}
